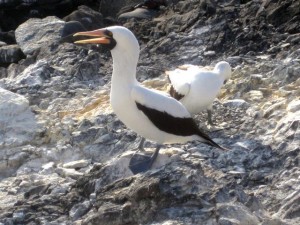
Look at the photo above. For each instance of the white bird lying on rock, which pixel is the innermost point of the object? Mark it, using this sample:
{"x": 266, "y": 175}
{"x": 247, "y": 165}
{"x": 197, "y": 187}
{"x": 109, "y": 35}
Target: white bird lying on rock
{"x": 152, "y": 114}
{"x": 196, "y": 88}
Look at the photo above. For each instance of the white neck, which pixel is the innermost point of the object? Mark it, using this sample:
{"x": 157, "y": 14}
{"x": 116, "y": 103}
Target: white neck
{"x": 124, "y": 68}
{"x": 221, "y": 74}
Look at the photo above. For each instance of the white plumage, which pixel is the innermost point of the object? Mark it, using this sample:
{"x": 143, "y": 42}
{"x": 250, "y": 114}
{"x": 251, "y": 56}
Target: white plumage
{"x": 126, "y": 91}
{"x": 198, "y": 88}
{"x": 152, "y": 114}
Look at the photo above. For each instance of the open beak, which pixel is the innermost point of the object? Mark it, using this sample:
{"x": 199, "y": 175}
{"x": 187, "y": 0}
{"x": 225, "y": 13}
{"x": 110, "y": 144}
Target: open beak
{"x": 99, "y": 37}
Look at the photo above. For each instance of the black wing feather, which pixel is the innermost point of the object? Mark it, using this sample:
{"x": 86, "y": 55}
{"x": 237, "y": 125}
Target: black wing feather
{"x": 175, "y": 94}
{"x": 175, "y": 125}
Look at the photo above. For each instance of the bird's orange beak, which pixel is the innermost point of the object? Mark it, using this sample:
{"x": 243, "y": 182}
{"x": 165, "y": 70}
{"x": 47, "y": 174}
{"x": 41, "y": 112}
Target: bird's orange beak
{"x": 101, "y": 37}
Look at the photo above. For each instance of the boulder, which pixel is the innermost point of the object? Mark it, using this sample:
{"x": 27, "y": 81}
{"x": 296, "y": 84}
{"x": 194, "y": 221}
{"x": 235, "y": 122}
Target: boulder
{"x": 109, "y": 8}
{"x": 15, "y": 12}
{"x": 138, "y": 13}
{"x": 33, "y": 76}
{"x": 90, "y": 19}
{"x": 8, "y": 37}
{"x": 17, "y": 122}
{"x": 10, "y": 54}
{"x": 30, "y": 37}
{"x": 69, "y": 29}
{"x": 3, "y": 72}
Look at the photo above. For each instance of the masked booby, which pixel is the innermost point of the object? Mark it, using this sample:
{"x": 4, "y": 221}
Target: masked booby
{"x": 196, "y": 88}
{"x": 152, "y": 114}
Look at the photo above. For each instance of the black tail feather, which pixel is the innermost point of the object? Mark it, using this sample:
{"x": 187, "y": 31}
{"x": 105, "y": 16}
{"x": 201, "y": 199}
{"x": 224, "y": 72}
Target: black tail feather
{"x": 207, "y": 140}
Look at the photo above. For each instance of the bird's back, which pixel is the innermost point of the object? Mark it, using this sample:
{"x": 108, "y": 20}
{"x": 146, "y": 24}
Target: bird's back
{"x": 204, "y": 88}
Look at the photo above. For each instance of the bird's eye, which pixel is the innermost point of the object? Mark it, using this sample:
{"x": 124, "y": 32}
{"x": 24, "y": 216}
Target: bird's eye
{"x": 108, "y": 33}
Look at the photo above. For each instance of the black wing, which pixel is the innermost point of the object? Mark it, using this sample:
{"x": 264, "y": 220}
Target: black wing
{"x": 175, "y": 125}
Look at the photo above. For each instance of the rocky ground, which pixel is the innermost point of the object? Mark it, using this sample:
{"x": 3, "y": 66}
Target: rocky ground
{"x": 64, "y": 155}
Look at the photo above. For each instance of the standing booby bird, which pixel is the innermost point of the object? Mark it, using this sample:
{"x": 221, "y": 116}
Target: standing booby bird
{"x": 152, "y": 114}
{"x": 196, "y": 88}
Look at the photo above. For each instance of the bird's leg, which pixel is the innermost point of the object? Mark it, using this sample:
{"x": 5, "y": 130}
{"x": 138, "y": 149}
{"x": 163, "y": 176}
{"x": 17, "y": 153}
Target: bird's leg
{"x": 135, "y": 157}
{"x": 154, "y": 156}
{"x": 141, "y": 144}
{"x": 209, "y": 117}
{"x": 141, "y": 163}
{"x": 210, "y": 122}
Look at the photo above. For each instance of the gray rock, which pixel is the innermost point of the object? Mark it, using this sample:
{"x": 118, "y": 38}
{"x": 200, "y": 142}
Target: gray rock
{"x": 234, "y": 60}
{"x": 209, "y": 53}
{"x": 237, "y": 214}
{"x": 79, "y": 210}
{"x": 255, "y": 81}
{"x": 227, "y": 221}
{"x": 138, "y": 13}
{"x": 14, "y": 70}
{"x": 294, "y": 106}
{"x": 66, "y": 172}
{"x": 290, "y": 209}
{"x": 61, "y": 189}
{"x": 8, "y": 37}
{"x": 70, "y": 28}
{"x": 18, "y": 216}
{"x": 108, "y": 8}
{"x": 236, "y": 103}
{"x": 273, "y": 108}
{"x": 89, "y": 18}
{"x": 33, "y": 76}
{"x": 293, "y": 38}
{"x": 3, "y": 72}
{"x": 18, "y": 123}
{"x": 10, "y": 54}
{"x": 80, "y": 138}
{"x": 77, "y": 164}
{"x": 30, "y": 37}
{"x": 48, "y": 168}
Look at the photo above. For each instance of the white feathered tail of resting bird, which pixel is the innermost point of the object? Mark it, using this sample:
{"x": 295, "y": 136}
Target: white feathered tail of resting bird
{"x": 152, "y": 114}
{"x": 197, "y": 88}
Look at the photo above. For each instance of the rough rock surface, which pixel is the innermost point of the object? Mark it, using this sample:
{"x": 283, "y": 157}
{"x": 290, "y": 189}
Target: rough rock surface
{"x": 18, "y": 124}
{"x": 15, "y": 12}
{"x": 64, "y": 154}
{"x": 30, "y": 37}
{"x": 89, "y": 18}
{"x": 18, "y": 128}
{"x": 10, "y": 54}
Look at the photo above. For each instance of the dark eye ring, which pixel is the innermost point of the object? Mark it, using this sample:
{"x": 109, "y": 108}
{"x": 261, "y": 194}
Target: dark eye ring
{"x": 108, "y": 33}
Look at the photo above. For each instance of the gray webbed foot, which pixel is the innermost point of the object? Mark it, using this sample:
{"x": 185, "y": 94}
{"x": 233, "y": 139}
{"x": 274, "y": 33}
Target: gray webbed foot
{"x": 141, "y": 163}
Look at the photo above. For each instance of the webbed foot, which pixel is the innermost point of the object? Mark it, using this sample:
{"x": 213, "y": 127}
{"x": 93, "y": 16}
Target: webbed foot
{"x": 141, "y": 163}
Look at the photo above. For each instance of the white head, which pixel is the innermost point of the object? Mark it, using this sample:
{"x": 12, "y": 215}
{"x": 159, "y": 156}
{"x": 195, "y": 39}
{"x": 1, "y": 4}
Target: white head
{"x": 224, "y": 69}
{"x": 120, "y": 41}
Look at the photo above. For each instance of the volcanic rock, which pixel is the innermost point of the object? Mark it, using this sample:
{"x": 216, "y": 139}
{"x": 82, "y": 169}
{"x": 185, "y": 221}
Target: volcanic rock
{"x": 89, "y": 18}
{"x": 10, "y": 54}
{"x": 8, "y": 37}
{"x": 18, "y": 123}
{"x": 30, "y": 37}
{"x": 64, "y": 154}
{"x": 138, "y": 13}
{"x": 109, "y": 8}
